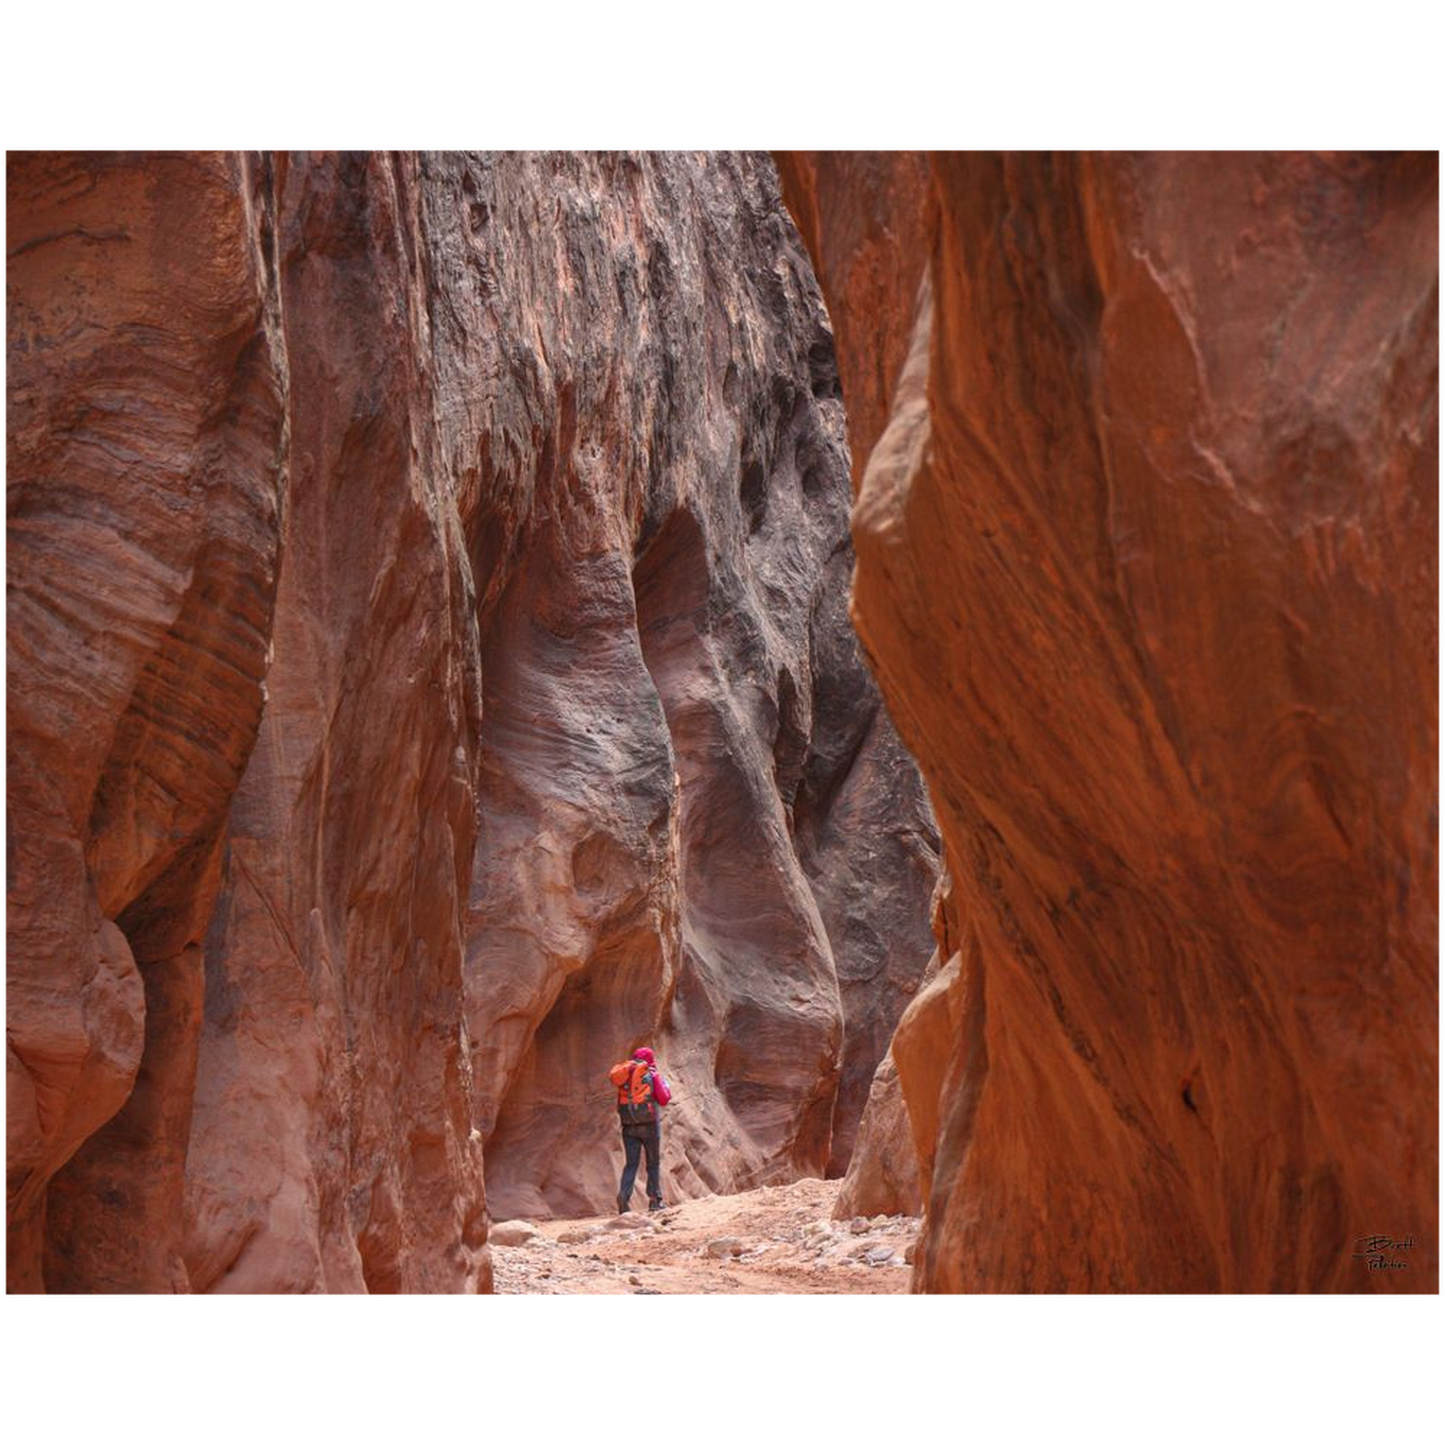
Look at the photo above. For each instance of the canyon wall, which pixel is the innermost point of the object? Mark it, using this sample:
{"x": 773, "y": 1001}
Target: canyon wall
{"x": 146, "y": 440}
{"x": 1147, "y": 569}
{"x": 699, "y": 827}
{"x": 429, "y": 677}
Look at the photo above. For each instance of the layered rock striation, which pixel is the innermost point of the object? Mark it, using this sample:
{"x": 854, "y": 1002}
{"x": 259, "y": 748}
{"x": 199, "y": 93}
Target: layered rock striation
{"x": 147, "y": 414}
{"x": 1147, "y": 569}
{"x": 698, "y": 824}
{"x": 429, "y": 676}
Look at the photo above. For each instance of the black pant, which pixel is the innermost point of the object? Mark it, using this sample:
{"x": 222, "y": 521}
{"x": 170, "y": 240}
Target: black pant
{"x": 635, "y": 1139}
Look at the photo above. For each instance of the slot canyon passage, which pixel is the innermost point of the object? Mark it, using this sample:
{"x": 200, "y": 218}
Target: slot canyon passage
{"x": 431, "y": 672}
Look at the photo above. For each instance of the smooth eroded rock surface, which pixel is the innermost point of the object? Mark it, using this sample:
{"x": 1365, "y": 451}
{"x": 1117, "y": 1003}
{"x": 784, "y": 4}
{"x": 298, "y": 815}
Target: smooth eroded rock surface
{"x": 883, "y": 1175}
{"x": 332, "y": 1146}
{"x": 698, "y": 825}
{"x": 429, "y": 675}
{"x": 145, "y": 433}
{"x": 1147, "y": 569}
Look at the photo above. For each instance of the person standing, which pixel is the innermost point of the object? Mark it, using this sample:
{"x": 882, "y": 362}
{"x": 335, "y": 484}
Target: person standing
{"x": 642, "y": 1094}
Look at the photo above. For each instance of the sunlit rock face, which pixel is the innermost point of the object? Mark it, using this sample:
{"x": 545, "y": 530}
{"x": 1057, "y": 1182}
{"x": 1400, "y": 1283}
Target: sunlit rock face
{"x": 429, "y": 676}
{"x": 1147, "y": 570}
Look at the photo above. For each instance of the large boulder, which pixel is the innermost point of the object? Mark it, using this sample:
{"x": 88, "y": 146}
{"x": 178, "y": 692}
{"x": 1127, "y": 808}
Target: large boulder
{"x": 883, "y": 1177}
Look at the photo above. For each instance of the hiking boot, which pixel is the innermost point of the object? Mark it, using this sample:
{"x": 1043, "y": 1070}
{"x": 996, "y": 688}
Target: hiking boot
{"x": 622, "y": 1207}
{"x": 655, "y": 1206}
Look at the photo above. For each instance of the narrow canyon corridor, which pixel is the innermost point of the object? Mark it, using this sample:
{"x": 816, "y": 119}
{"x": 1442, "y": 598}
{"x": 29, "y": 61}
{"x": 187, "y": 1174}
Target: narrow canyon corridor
{"x": 941, "y": 647}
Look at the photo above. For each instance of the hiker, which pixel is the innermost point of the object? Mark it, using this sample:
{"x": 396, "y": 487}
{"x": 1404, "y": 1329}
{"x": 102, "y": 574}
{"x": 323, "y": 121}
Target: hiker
{"x": 641, "y": 1094}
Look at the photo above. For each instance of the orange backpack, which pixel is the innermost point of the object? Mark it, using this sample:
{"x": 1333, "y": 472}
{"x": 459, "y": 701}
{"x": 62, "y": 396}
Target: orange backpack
{"x": 634, "y": 1091}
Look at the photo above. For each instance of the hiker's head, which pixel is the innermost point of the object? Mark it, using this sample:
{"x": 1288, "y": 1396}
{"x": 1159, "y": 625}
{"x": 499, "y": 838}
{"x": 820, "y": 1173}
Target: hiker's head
{"x": 645, "y": 1056}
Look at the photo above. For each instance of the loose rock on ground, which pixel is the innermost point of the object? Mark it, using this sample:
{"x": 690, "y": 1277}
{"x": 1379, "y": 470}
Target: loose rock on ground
{"x": 777, "y": 1240}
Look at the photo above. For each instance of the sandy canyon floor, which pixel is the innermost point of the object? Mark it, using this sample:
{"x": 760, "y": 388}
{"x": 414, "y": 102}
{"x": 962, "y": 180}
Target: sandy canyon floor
{"x": 779, "y": 1240}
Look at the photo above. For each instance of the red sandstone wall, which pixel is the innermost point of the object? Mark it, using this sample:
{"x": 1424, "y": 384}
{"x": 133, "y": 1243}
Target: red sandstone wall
{"x": 428, "y": 674}
{"x": 1147, "y": 568}
{"x": 146, "y": 421}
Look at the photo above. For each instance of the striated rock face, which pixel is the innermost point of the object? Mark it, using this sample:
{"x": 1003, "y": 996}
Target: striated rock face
{"x": 332, "y": 1145}
{"x": 698, "y": 825}
{"x": 1147, "y": 569}
{"x": 146, "y": 422}
{"x": 429, "y": 676}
